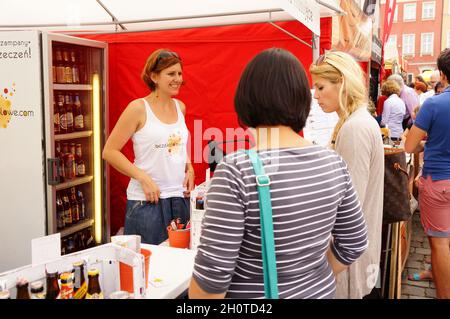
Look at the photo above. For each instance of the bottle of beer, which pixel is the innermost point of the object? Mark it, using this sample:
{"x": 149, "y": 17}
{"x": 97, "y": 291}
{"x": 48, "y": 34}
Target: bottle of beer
{"x": 81, "y": 203}
{"x": 67, "y": 210}
{"x": 81, "y": 167}
{"x": 75, "y": 69}
{"x": 60, "y": 70}
{"x": 94, "y": 290}
{"x": 22, "y": 289}
{"x": 69, "y": 112}
{"x": 82, "y": 67}
{"x": 61, "y": 169}
{"x": 67, "y": 67}
{"x": 66, "y": 285}
{"x": 80, "y": 285}
{"x": 54, "y": 66}
{"x": 56, "y": 118}
{"x": 60, "y": 212}
{"x": 89, "y": 238}
{"x": 37, "y": 290}
{"x": 52, "y": 284}
{"x": 79, "y": 117}
{"x": 62, "y": 115}
{"x": 74, "y": 206}
{"x": 69, "y": 162}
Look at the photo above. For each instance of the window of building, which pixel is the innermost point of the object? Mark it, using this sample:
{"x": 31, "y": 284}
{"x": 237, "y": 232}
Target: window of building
{"x": 428, "y": 10}
{"x": 409, "y": 12}
{"x": 426, "y": 46}
{"x": 408, "y": 44}
{"x": 392, "y": 39}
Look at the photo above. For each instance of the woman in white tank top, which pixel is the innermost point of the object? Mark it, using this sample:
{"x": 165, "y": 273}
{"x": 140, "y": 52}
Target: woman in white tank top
{"x": 161, "y": 175}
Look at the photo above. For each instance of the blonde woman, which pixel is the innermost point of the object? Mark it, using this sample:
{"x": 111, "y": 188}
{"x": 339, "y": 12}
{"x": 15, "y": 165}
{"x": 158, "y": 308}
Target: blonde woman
{"x": 339, "y": 87}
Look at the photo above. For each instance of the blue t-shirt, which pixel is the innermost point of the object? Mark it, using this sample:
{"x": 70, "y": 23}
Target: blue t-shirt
{"x": 434, "y": 118}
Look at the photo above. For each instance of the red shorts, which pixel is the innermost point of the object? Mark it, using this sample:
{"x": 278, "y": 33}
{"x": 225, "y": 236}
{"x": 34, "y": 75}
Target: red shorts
{"x": 434, "y": 201}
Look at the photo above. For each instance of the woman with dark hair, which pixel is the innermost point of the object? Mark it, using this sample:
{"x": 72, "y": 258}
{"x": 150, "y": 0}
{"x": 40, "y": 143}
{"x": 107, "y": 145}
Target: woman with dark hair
{"x": 161, "y": 172}
{"x": 318, "y": 224}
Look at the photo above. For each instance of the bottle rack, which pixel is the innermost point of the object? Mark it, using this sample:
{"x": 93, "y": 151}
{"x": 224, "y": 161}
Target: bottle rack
{"x": 105, "y": 257}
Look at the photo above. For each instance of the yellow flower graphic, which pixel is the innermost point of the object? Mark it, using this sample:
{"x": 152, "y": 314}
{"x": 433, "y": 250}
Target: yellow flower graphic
{"x": 174, "y": 143}
{"x": 5, "y": 112}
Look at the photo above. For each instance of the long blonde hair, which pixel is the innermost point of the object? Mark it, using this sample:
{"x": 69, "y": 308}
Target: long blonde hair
{"x": 336, "y": 66}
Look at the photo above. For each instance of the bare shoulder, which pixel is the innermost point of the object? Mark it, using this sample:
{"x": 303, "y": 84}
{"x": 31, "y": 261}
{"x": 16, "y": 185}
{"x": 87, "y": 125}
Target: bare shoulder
{"x": 182, "y": 106}
{"x": 134, "y": 113}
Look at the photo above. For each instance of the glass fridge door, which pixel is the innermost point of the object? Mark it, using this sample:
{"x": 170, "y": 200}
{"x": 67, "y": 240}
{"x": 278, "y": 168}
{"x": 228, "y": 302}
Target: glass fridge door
{"x": 75, "y": 122}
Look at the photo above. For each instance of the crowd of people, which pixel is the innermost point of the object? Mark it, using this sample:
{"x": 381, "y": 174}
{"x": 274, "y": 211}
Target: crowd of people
{"x": 327, "y": 202}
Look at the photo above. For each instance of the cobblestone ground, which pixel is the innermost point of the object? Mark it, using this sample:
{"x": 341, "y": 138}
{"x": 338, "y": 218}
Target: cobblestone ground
{"x": 418, "y": 260}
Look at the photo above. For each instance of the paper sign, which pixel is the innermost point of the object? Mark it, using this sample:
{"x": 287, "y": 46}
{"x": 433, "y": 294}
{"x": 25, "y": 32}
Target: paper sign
{"x": 45, "y": 248}
{"x": 305, "y": 11}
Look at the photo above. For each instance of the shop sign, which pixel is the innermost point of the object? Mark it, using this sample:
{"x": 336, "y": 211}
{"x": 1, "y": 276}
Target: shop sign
{"x": 376, "y": 49}
{"x": 305, "y": 11}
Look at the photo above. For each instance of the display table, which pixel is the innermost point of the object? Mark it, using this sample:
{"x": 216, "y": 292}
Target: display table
{"x": 173, "y": 266}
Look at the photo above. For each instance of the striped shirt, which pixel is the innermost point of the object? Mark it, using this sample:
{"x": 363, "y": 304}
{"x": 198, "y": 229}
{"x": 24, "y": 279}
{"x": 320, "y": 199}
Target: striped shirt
{"x": 313, "y": 201}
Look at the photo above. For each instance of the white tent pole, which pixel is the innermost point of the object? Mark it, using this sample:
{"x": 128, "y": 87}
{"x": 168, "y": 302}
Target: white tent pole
{"x": 315, "y": 46}
{"x": 111, "y": 15}
{"x": 144, "y": 20}
{"x": 338, "y": 10}
{"x": 290, "y": 34}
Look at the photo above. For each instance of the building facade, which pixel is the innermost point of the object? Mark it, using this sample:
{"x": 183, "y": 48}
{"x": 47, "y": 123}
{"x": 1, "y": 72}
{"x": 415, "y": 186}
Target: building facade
{"x": 417, "y": 32}
{"x": 446, "y": 25}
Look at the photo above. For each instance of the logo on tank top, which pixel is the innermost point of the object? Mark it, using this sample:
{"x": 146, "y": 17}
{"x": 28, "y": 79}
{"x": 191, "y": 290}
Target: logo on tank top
{"x": 174, "y": 144}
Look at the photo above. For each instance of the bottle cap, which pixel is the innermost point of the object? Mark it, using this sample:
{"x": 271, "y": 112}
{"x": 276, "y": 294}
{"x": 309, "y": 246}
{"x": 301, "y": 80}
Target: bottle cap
{"x": 36, "y": 285}
{"x": 93, "y": 272}
{"x": 4, "y": 294}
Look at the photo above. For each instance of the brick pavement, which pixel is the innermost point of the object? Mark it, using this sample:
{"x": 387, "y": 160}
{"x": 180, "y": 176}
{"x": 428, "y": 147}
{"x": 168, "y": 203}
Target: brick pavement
{"x": 418, "y": 259}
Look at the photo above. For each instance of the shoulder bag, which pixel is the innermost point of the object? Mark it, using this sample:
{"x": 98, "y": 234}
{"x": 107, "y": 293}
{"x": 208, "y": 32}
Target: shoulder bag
{"x": 267, "y": 236}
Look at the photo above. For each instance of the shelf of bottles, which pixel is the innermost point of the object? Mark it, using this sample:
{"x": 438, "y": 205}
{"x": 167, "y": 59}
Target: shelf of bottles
{"x": 73, "y": 132}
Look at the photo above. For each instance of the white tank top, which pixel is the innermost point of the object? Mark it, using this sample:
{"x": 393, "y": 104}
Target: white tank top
{"x": 160, "y": 151}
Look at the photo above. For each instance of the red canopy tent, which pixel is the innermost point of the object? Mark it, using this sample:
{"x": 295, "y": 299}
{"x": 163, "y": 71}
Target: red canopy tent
{"x": 213, "y": 59}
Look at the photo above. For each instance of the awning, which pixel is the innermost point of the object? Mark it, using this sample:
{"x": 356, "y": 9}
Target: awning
{"x": 136, "y": 15}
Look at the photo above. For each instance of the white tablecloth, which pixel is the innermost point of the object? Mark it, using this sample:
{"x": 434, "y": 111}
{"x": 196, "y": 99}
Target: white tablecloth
{"x": 173, "y": 266}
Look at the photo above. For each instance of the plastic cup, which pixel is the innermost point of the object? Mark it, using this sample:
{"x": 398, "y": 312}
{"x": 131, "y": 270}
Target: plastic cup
{"x": 179, "y": 238}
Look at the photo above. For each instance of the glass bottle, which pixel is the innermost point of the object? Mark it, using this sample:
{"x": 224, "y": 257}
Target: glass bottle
{"x": 67, "y": 210}
{"x": 60, "y": 216}
{"x": 81, "y": 203}
{"x": 69, "y": 112}
{"x": 60, "y": 70}
{"x": 22, "y": 289}
{"x": 66, "y": 285}
{"x": 81, "y": 166}
{"x": 94, "y": 290}
{"x": 74, "y": 206}
{"x": 62, "y": 114}
{"x": 37, "y": 290}
{"x": 80, "y": 285}
{"x": 56, "y": 118}
{"x": 67, "y": 67}
{"x": 75, "y": 68}
{"x": 78, "y": 114}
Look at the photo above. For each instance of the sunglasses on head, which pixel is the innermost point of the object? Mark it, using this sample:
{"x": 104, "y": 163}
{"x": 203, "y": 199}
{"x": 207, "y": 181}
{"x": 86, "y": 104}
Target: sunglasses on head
{"x": 165, "y": 55}
{"x": 321, "y": 59}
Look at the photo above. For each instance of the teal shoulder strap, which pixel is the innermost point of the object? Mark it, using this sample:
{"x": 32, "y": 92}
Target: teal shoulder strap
{"x": 267, "y": 236}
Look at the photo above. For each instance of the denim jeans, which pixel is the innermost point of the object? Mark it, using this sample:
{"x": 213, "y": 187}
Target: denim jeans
{"x": 150, "y": 220}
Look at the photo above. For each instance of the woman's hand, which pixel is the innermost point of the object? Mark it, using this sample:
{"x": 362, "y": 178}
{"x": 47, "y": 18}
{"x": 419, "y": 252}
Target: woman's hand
{"x": 188, "y": 182}
{"x": 151, "y": 190}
